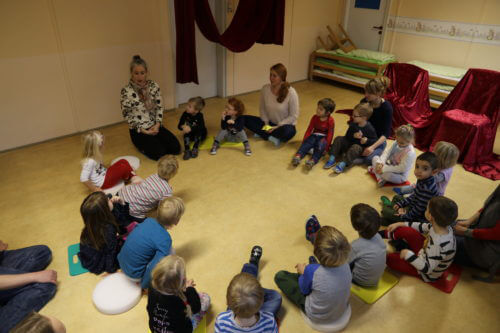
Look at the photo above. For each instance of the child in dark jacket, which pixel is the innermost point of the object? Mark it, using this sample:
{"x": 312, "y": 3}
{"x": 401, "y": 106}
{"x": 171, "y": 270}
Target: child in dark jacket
{"x": 173, "y": 303}
{"x": 359, "y": 135}
{"x": 105, "y": 222}
{"x": 232, "y": 124}
{"x": 192, "y": 125}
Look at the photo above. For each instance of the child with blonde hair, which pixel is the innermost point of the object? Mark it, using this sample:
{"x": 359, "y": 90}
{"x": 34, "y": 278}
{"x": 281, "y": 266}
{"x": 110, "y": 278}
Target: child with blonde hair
{"x": 359, "y": 135}
{"x": 321, "y": 289}
{"x": 319, "y": 134}
{"x": 174, "y": 305}
{"x": 396, "y": 162}
{"x": 192, "y": 125}
{"x": 37, "y": 323}
{"x": 145, "y": 196}
{"x": 251, "y": 308}
{"x": 150, "y": 241}
{"x": 94, "y": 174}
{"x": 232, "y": 124}
{"x": 105, "y": 221}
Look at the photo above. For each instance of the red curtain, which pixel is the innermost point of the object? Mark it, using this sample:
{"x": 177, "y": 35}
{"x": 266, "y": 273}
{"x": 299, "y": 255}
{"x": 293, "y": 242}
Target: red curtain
{"x": 254, "y": 21}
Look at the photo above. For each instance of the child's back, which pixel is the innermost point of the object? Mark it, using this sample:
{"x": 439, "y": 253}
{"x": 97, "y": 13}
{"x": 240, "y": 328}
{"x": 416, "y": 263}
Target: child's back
{"x": 367, "y": 259}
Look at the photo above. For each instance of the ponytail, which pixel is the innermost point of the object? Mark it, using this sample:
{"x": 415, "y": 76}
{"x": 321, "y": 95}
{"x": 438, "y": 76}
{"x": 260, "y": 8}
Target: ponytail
{"x": 378, "y": 86}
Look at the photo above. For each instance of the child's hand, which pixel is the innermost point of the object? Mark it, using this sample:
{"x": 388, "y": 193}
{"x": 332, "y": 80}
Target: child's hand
{"x": 3, "y": 246}
{"x": 358, "y": 135}
{"x": 190, "y": 283}
{"x": 230, "y": 121}
{"x": 396, "y": 207}
{"x": 378, "y": 168}
{"x": 394, "y": 226}
{"x": 272, "y": 129}
{"x": 460, "y": 229}
{"x": 300, "y": 268}
{"x": 224, "y": 114}
{"x": 117, "y": 199}
{"x": 401, "y": 211}
{"x": 403, "y": 253}
{"x": 363, "y": 140}
{"x": 186, "y": 129}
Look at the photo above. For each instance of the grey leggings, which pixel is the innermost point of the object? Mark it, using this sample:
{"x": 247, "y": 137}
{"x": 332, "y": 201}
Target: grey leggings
{"x": 225, "y": 135}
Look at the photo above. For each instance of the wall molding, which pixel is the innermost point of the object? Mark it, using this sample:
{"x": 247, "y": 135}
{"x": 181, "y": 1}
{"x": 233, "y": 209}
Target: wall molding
{"x": 465, "y": 32}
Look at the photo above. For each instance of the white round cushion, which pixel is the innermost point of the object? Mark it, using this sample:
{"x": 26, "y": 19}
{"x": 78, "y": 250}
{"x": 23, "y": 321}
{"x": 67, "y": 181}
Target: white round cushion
{"x": 336, "y": 326}
{"x": 116, "y": 294}
{"x": 134, "y": 162}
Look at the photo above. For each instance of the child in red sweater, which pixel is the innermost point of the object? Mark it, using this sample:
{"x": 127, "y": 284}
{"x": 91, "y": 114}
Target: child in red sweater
{"x": 318, "y": 135}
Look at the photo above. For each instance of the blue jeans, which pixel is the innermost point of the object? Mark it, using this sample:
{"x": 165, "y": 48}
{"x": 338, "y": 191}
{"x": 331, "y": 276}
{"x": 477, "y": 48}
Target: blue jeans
{"x": 17, "y": 303}
{"x": 284, "y": 133}
{"x": 368, "y": 159}
{"x": 272, "y": 298}
{"x": 317, "y": 143}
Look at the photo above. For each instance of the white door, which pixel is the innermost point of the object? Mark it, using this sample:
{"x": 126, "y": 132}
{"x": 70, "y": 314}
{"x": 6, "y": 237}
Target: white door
{"x": 206, "y": 60}
{"x": 364, "y": 25}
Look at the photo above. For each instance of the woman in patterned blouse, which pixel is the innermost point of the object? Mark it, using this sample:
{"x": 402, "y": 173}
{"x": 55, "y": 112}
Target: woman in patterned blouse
{"x": 141, "y": 105}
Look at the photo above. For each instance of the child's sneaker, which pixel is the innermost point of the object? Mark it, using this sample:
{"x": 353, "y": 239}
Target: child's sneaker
{"x": 215, "y": 146}
{"x": 313, "y": 260}
{"x": 340, "y": 167}
{"x": 295, "y": 160}
{"x": 187, "y": 155}
{"x": 194, "y": 153}
{"x": 248, "y": 152}
{"x": 274, "y": 140}
{"x": 310, "y": 164}
{"x": 312, "y": 227}
{"x": 397, "y": 190}
{"x": 255, "y": 255}
{"x": 329, "y": 163}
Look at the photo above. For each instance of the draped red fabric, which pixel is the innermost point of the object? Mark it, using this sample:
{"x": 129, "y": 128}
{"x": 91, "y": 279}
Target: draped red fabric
{"x": 254, "y": 21}
{"x": 408, "y": 94}
{"x": 469, "y": 119}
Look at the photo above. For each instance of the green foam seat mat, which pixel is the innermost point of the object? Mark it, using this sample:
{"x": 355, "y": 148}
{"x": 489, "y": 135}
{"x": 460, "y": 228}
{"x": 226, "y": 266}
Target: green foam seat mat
{"x": 75, "y": 266}
{"x": 371, "y": 294}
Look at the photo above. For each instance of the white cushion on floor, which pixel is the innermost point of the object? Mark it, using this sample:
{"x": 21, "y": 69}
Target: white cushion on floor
{"x": 116, "y": 294}
{"x": 336, "y": 326}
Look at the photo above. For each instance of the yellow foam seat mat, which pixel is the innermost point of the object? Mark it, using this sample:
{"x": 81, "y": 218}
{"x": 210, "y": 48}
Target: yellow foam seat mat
{"x": 202, "y": 326}
{"x": 371, "y": 294}
{"x": 335, "y": 326}
{"x": 209, "y": 141}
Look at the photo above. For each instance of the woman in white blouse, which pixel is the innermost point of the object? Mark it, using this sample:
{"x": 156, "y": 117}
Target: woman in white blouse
{"x": 279, "y": 109}
{"x": 142, "y": 107}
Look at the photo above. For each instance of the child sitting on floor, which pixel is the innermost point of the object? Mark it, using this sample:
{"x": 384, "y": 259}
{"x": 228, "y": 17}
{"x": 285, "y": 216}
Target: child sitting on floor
{"x": 359, "y": 135}
{"x": 396, "y": 162}
{"x": 232, "y": 124}
{"x": 367, "y": 257}
{"x": 447, "y": 155}
{"x": 321, "y": 289}
{"x": 431, "y": 254}
{"x": 251, "y": 307}
{"x": 105, "y": 221}
{"x": 94, "y": 174}
{"x": 413, "y": 208}
{"x": 193, "y": 127}
{"x": 318, "y": 135}
{"x": 145, "y": 196}
{"x": 150, "y": 242}
{"x": 173, "y": 303}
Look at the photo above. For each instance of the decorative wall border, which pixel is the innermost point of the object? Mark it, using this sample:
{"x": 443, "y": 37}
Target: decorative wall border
{"x": 466, "y": 32}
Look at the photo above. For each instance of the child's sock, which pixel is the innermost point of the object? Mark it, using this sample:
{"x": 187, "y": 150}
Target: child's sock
{"x": 312, "y": 228}
{"x": 255, "y": 255}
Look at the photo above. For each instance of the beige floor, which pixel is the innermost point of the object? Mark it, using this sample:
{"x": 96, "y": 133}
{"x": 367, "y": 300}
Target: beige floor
{"x": 234, "y": 202}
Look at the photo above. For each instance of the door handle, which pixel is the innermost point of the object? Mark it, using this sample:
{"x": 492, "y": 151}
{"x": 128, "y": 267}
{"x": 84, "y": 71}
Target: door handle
{"x": 379, "y": 27}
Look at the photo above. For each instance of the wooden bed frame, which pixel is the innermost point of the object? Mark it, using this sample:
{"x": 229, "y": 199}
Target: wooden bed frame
{"x": 345, "y": 44}
{"x": 441, "y": 93}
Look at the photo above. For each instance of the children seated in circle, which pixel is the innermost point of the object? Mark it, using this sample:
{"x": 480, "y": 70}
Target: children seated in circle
{"x": 192, "y": 125}
{"x": 150, "y": 242}
{"x": 232, "y": 124}
{"x": 174, "y": 305}
{"x": 251, "y": 308}
{"x": 105, "y": 220}
{"x": 425, "y": 249}
{"x": 145, "y": 196}
{"x": 319, "y": 134}
{"x": 395, "y": 163}
{"x": 94, "y": 174}
{"x": 359, "y": 135}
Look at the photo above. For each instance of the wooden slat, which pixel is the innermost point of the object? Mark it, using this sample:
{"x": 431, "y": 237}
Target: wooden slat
{"x": 345, "y": 70}
{"x": 347, "y": 81}
{"x": 441, "y": 93}
{"x": 352, "y": 61}
{"x": 442, "y": 80}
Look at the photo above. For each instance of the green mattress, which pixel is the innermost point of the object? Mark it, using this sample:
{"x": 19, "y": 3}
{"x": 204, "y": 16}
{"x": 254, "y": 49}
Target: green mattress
{"x": 451, "y": 72}
{"x": 341, "y": 64}
{"x": 379, "y": 58}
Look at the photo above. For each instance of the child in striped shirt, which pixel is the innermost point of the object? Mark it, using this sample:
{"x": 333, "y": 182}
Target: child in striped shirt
{"x": 413, "y": 207}
{"x": 146, "y": 195}
{"x": 431, "y": 245}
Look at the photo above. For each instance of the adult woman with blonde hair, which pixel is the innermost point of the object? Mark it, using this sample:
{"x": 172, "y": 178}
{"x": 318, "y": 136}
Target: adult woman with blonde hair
{"x": 141, "y": 105}
{"x": 279, "y": 109}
